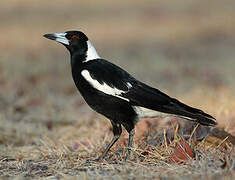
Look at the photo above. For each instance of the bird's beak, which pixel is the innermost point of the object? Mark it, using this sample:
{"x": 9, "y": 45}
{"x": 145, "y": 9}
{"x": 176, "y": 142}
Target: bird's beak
{"x": 59, "y": 37}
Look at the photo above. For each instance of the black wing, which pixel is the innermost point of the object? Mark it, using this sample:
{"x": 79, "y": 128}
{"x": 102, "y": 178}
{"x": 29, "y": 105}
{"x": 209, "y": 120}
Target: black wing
{"x": 140, "y": 94}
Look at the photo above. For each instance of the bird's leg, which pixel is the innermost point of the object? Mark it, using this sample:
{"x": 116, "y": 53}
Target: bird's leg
{"x": 117, "y": 131}
{"x": 130, "y": 143}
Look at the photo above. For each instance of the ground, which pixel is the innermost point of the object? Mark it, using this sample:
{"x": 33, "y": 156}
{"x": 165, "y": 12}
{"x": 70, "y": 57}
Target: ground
{"x": 185, "y": 49}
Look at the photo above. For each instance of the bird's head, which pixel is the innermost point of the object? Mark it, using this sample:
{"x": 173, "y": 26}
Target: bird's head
{"x": 76, "y": 42}
{"x": 72, "y": 40}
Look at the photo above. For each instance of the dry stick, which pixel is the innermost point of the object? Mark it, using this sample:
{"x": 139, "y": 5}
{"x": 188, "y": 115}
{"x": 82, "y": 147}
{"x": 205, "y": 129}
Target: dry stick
{"x": 176, "y": 131}
{"x": 166, "y": 141}
{"x": 191, "y": 135}
{"x": 222, "y": 141}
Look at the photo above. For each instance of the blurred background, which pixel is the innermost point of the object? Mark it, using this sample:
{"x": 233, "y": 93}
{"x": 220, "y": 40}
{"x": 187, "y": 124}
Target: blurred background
{"x": 184, "y": 48}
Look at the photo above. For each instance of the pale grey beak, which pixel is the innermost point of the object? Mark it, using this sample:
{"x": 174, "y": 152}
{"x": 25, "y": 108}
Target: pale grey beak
{"x": 59, "y": 37}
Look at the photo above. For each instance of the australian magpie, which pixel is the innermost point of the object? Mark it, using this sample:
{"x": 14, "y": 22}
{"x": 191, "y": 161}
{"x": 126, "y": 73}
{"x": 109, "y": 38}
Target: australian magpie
{"x": 114, "y": 93}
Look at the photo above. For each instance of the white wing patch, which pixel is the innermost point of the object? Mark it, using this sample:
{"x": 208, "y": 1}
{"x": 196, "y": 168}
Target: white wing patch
{"x": 129, "y": 85}
{"x": 91, "y": 52}
{"x": 148, "y": 113}
{"x": 103, "y": 87}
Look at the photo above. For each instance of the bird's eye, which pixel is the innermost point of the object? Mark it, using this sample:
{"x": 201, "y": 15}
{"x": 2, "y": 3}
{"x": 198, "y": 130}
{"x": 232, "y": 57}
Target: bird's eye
{"x": 74, "y": 37}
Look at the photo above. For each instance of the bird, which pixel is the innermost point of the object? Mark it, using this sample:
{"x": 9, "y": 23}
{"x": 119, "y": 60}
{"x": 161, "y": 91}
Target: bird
{"x": 113, "y": 92}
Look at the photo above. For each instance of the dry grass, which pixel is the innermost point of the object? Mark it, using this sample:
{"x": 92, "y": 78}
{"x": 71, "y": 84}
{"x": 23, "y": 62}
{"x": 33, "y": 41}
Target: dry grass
{"x": 47, "y": 130}
{"x": 66, "y": 152}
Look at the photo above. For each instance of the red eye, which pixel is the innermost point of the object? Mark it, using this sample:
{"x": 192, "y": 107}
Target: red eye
{"x": 74, "y": 37}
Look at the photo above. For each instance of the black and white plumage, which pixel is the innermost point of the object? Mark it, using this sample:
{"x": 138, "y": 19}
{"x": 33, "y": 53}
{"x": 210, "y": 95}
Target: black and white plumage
{"x": 114, "y": 93}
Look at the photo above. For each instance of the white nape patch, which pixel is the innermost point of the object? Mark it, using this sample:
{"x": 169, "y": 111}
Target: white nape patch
{"x": 60, "y": 37}
{"x": 91, "y": 52}
{"x": 103, "y": 87}
{"x": 148, "y": 113}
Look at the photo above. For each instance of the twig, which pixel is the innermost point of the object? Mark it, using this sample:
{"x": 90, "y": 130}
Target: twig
{"x": 191, "y": 135}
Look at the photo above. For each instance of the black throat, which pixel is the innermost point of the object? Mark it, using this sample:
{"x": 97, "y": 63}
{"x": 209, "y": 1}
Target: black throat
{"x": 78, "y": 53}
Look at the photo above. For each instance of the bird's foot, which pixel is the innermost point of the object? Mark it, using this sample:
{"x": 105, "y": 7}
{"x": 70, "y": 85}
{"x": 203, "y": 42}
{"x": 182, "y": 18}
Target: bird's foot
{"x": 127, "y": 154}
{"x": 97, "y": 159}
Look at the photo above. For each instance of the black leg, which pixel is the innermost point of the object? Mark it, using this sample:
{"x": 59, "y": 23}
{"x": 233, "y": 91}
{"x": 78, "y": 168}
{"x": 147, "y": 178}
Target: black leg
{"x": 117, "y": 131}
{"x": 130, "y": 143}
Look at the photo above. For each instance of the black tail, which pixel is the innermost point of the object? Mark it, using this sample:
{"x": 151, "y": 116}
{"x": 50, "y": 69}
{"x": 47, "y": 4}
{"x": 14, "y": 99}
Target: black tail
{"x": 190, "y": 113}
{"x": 145, "y": 96}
